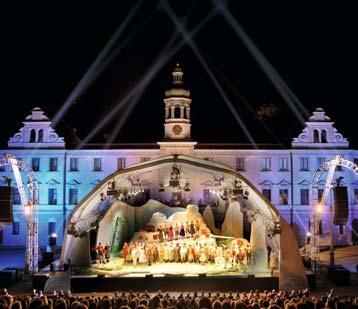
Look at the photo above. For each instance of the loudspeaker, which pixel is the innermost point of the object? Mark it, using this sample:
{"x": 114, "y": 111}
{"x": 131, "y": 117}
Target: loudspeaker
{"x": 6, "y": 205}
{"x": 340, "y": 216}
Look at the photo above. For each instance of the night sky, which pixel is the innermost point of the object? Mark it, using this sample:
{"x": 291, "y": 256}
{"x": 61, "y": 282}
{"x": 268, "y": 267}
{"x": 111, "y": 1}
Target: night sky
{"x": 46, "y": 49}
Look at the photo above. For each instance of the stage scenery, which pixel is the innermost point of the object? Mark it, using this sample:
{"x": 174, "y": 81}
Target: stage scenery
{"x": 180, "y": 217}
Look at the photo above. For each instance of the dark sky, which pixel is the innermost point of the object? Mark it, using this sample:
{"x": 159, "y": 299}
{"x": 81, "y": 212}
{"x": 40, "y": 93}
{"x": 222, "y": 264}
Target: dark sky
{"x": 46, "y": 49}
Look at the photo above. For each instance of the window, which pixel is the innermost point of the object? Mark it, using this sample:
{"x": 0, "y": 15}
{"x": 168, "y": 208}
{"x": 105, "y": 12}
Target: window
{"x": 304, "y": 164}
{"x": 283, "y": 200}
{"x": 121, "y": 163}
{"x": 144, "y": 159}
{"x": 51, "y": 226}
{"x": 356, "y": 196}
{"x": 316, "y": 136}
{"x": 35, "y": 164}
{"x": 32, "y": 136}
{"x": 16, "y": 196}
{"x": 324, "y": 136}
{"x": 283, "y": 164}
{"x": 320, "y": 161}
{"x": 267, "y": 194}
{"x": 52, "y": 196}
{"x": 40, "y": 138}
{"x": 305, "y": 197}
{"x": 53, "y": 164}
{"x": 240, "y": 164}
{"x": 97, "y": 164}
{"x": 73, "y": 193}
{"x": 266, "y": 164}
{"x": 15, "y": 228}
{"x": 320, "y": 194}
{"x": 73, "y": 164}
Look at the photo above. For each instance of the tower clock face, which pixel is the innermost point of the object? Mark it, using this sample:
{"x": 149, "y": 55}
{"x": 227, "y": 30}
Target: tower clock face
{"x": 177, "y": 129}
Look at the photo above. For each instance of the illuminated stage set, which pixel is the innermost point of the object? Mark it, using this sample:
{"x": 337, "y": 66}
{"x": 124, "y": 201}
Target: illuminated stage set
{"x": 158, "y": 232}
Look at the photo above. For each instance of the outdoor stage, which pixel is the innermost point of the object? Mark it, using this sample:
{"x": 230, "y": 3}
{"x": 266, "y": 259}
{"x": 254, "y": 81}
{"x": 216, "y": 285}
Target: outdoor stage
{"x": 117, "y": 275}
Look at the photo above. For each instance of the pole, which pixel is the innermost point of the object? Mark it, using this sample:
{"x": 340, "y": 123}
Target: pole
{"x": 331, "y": 234}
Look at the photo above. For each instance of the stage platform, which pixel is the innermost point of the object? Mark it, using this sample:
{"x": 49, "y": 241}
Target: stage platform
{"x": 102, "y": 283}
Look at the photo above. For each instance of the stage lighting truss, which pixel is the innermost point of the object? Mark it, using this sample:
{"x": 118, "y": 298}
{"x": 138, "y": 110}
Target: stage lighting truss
{"x": 133, "y": 188}
{"x": 229, "y": 190}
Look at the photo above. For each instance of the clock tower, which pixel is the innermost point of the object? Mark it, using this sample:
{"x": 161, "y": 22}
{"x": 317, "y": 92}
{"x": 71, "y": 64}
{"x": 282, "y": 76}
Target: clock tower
{"x": 177, "y": 139}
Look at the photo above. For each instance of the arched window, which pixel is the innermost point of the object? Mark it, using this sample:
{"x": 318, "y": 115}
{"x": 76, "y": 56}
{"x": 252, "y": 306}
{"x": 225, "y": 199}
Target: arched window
{"x": 40, "y": 138}
{"x": 177, "y": 112}
{"x": 324, "y": 136}
{"x": 316, "y": 136}
{"x": 32, "y": 136}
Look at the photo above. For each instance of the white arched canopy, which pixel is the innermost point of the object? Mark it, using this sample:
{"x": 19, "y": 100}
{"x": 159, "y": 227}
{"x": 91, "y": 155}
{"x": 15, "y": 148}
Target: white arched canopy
{"x": 197, "y": 175}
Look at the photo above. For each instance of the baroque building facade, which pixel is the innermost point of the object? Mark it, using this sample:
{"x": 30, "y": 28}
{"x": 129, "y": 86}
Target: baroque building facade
{"x": 284, "y": 176}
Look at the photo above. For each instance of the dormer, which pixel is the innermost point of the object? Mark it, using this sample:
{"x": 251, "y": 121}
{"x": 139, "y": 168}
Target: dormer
{"x": 36, "y": 133}
{"x": 320, "y": 133}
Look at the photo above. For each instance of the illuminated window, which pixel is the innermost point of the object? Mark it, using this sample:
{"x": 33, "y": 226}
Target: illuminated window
{"x": 267, "y": 194}
{"x": 305, "y": 197}
{"x": 40, "y": 138}
{"x": 53, "y": 164}
{"x": 304, "y": 164}
{"x": 320, "y": 161}
{"x": 51, "y": 226}
{"x": 283, "y": 164}
{"x": 52, "y": 196}
{"x": 73, "y": 196}
{"x": 73, "y": 164}
{"x": 97, "y": 164}
{"x": 266, "y": 164}
{"x": 283, "y": 200}
{"x": 320, "y": 194}
{"x": 35, "y": 164}
{"x": 121, "y": 163}
{"x": 15, "y": 228}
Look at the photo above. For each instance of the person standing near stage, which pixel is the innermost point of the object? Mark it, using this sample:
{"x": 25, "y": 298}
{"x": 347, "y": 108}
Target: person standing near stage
{"x": 125, "y": 250}
{"x": 107, "y": 252}
{"x": 160, "y": 234}
{"x": 176, "y": 231}
{"x": 135, "y": 254}
{"x": 155, "y": 253}
{"x": 161, "y": 252}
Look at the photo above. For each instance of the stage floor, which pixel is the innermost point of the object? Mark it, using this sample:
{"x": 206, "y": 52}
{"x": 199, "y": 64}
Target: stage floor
{"x": 117, "y": 267}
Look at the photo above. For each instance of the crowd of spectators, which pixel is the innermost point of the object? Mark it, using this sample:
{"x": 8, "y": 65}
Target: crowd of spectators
{"x": 130, "y": 300}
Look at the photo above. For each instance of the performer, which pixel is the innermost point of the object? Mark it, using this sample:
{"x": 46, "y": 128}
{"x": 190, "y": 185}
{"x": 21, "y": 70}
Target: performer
{"x": 142, "y": 255}
{"x": 248, "y": 252}
{"x": 125, "y": 250}
{"x": 183, "y": 253}
{"x": 161, "y": 252}
{"x": 191, "y": 229}
{"x": 182, "y": 231}
{"x": 107, "y": 253}
{"x": 202, "y": 255}
{"x": 197, "y": 227}
{"x": 177, "y": 253}
{"x": 135, "y": 254}
{"x": 155, "y": 253}
{"x": 170, "y": 232}
{"x": 187, "y": 234}
{"x": 274, "y": 261}
{"x": 190, "y": 254}
{"x": 176, "y": 231}
{"x": 160, "y": 234}
{"x": 101, "y": 253}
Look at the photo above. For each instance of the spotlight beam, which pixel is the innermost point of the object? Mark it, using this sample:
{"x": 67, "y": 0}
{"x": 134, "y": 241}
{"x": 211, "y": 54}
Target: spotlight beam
{"x": 88, "y": 76}
{"x": 271, "y": 73}
{"x": 145, "y": 80}
{"x": 198, "y": 54}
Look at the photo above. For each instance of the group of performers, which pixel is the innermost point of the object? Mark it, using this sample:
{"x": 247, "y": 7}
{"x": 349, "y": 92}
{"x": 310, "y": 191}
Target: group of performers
{"x": 188, "y": 251}
{"x": 187, "y": 230}
{"x": 102, "y": 252}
